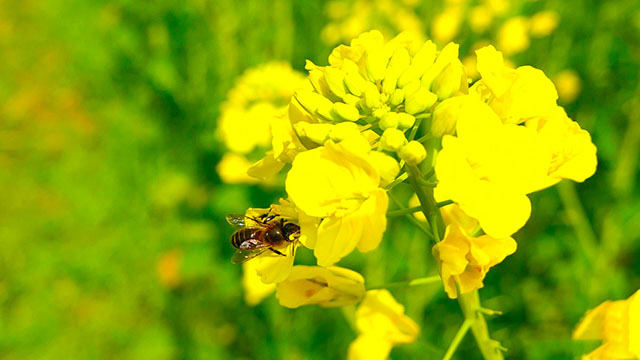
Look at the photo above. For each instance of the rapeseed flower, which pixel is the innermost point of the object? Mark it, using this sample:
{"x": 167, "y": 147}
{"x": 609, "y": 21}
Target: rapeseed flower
{"x": 254, "y": 289}
{"x": 338, "y": 185}
{"x": 327, "y": 287}
{"x": 464, "y": 260}
{"x": 617, "y": 324}
{"x": 381, "y": 324}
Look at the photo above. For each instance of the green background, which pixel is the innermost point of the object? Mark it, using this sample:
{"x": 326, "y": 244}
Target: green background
{"x": 107, "y": 164}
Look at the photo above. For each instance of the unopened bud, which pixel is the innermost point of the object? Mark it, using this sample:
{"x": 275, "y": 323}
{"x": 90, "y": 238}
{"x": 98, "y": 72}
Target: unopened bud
{"x": 445, "y": 116}
{"x": 420, "y": 101}
{"x": 351, "y": 99}
{"x": 420, "y": 63}
{"x": 399, "y": 62}
{"x": 449, "y": 81}
{"x": 372, "y": 96}
{"x": 316, "y": 133}
{"x": 345, "y": 112}
{"x": 413, "y": 153}
{"x": 389, "y": 83}
{"x": 396, "y": 98}
{"x": 411, "y": 87}
{"x": 376, "y": 64}
{"x": 392, "y": 139}
{"x": 335, "y": 81}
{"x": 389, "y": 121}
{"x": 448, "y": 54}
{"x": 311, "y": 100}
{"x": 387, "y": 166}
{"x": 355, "y": 83}
{"x": 343, "y": 131}
{"x": 405, "y": 121}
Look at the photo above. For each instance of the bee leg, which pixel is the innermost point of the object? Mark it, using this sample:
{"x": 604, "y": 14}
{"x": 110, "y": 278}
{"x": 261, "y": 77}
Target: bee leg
{"x": 277, "y": 252}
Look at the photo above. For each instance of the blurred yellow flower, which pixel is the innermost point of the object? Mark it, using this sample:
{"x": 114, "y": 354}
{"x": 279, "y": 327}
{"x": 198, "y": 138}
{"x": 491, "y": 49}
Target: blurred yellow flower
{"x": 514, "y": 94}
{"x": 168, "y": 269}
{"x": 480, "y": 18}
{"x": 381, "y": 324}
{"x": 569, "y": 85}
{"x": 446, "y": 25}
{"x": 543, "y": 23}
{"x": 338, "y": 184}
{"x": 464, "y": 260}
{"x": 327, "y": 287}
{"x": 617, "y": 324}
{"x": 254, "y": 289}
{"x": 258, "y": 103}
{"x": 233, "y": 168}
{"x": 513, "y": 35}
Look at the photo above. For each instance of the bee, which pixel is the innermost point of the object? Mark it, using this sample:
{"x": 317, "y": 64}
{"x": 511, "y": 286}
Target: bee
{"x": 255, "y": 236}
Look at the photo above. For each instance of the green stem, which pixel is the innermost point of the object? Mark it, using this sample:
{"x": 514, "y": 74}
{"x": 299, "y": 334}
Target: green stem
{"x": 424, "y": 227}
{"x": 408, "y": 283}
{"x": 457, "y": 339}
{"x": 587, "y": 238}
{"x": 397, "y": 181}
{"x": 470, "y": 305}
{"x": 428, "y": 204}
{"x": 404, "y": 211}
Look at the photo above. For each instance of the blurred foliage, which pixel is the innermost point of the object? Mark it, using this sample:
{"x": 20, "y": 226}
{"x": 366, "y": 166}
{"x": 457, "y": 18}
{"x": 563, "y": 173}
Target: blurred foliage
{"x": 112, "y": 236}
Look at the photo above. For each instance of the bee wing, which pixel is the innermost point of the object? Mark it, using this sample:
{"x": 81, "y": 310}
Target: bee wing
{"x": 243, "y": 255}
{"x": 239, "y": 221}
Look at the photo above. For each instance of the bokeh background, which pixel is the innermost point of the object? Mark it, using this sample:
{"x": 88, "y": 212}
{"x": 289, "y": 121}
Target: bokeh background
{"x": 113, "y": 243}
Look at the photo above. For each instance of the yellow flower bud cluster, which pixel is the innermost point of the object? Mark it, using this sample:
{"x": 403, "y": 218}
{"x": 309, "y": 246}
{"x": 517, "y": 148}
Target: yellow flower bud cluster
{"x": 257, "y": 103}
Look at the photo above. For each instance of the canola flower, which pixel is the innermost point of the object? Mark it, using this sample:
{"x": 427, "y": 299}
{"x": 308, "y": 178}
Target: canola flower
{"x": 403, "y": 111}
{"x": 617, "y": 324}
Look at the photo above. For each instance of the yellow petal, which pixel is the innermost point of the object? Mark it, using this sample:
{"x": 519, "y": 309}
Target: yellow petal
{"x": 254, "y": 289}
{"x": 369, "y": 347}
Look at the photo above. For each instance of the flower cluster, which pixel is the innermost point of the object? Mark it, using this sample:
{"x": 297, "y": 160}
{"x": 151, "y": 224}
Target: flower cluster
{"x": 364, "y": 124}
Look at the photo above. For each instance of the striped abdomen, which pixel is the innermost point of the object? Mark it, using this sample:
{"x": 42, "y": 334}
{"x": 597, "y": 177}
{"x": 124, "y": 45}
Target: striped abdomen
{"x": 247, "y": 238}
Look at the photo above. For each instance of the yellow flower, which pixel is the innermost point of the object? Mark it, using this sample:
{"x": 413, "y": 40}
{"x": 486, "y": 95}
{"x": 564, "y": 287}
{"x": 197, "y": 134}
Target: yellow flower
{"x": 254, "y": 289}
{"x": 573, "y": 153}
{"x": 490, "y": 167}
{"x": 337, "y": 184}
{"x": 480, "y": 18}
{"x": 464, "y": 260}
{"x": 543, "y": 23}
{"x": 617, "y": 324}
{"x": 513, "y": 35}
{"x": 381, "y": 324}
{"x": 446, "y": 25}
{"x": 516, "y": 95}
{"x": 327, "y": 287}
{"x": 233, "y": 168}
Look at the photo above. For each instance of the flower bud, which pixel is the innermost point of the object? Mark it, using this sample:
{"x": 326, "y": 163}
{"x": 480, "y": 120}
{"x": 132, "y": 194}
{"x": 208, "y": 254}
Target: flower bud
{"x": 345, "y": 112}
{"x": 344, "y": 130}
{"x": 311, "y": 100}
{"x": 315, "y": 133}
{"x": 355, "y": 83}
{"x": 389, "y": 83}
{"x": 372, "y": 97}
{"x": 449, "y": 81}
{"x": 448, "y": 55}
{"x": 399, "y": 62}
{"x": 396, "y": 98}
{"x": 405, "y": 121}
{"x": 445, "y": 116}
{"x": 413, "y": 153}
{"x": 351, "y": 99}
{"x": 421, "y": 62}
{"x": 411, "y": 87}
{"x": 387, "y": 166}
{"x": 335, "y": 81}
{"x": 389, "y": 121}
{"x": 420, "y": 101}
{"x": 376, "y": 64}
{"x": 392, "y": 139}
